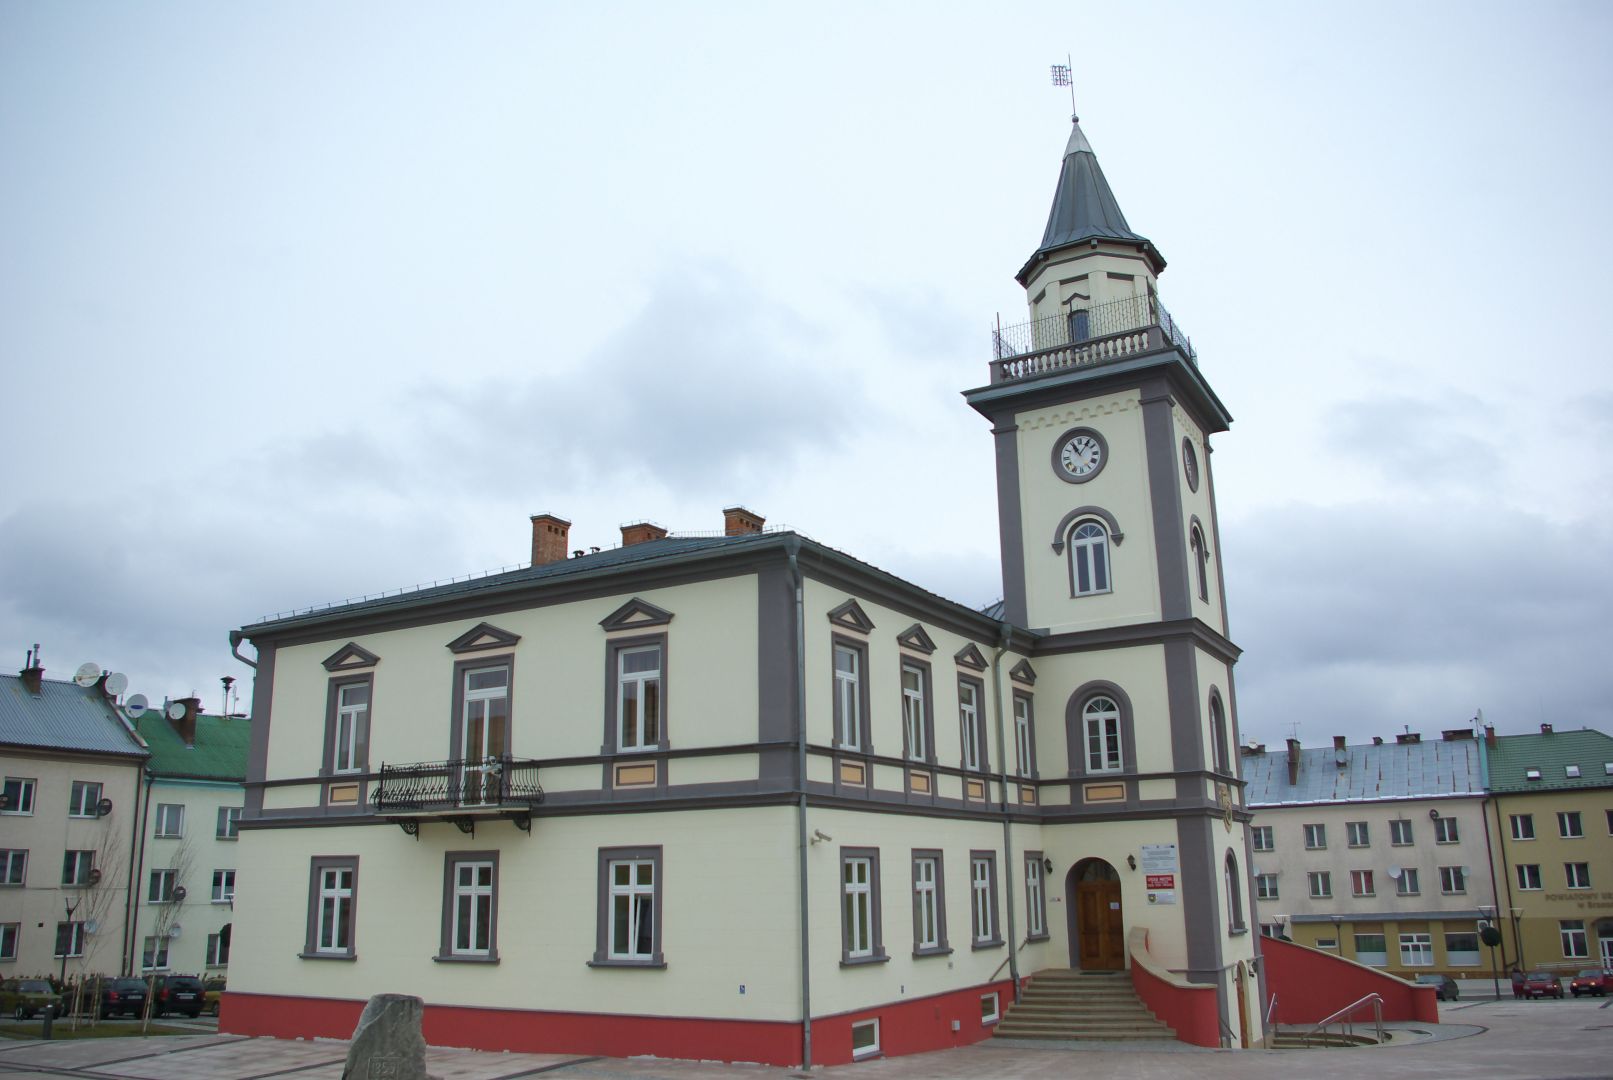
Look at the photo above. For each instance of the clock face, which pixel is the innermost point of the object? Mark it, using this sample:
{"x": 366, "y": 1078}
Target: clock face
{"x": 1190, "y": 464}
{"x": 1079, "y": 455}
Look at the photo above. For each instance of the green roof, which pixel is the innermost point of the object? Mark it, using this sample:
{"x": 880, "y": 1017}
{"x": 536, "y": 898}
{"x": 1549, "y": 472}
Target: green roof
{"x": 1512, "y": 757}
{"x": 219, "y": 754}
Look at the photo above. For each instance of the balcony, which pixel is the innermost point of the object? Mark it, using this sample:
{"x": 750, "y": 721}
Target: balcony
{"x": 1104, "y": 334}
{"x": 459, "y": 790}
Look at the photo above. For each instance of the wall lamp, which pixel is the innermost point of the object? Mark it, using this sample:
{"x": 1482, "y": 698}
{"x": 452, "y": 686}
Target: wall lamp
{"x": 1047, "y": 864}
{"x": 1131, "y": 861}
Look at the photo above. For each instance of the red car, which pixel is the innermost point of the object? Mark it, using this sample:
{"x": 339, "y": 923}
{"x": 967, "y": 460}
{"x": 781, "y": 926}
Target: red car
{"x": 1591, "y": 981}
{"x": 1541, "y": 984}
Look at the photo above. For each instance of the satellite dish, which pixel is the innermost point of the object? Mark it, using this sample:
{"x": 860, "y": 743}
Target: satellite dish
{"x": 176, "y": 711}
{"x": 173, "y": 931}
{"x": 179, "y": 894}
{"x": 103, "y": 808}
{"x": 1467, "y": 872}
{"x": 92, "y": 925}
{"x": 87, "y": 674}
{"x": 1395, "y": 872}
{"x": 117, "y": 683}
{"x": 136, "y": 706}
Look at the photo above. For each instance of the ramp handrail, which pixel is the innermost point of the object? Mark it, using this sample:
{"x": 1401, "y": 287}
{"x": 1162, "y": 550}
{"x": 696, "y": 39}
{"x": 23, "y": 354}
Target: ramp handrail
{"x": 1347, "y": 1025}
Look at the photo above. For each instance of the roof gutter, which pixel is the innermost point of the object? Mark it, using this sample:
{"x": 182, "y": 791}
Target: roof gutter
{"x": 236, "y": 637}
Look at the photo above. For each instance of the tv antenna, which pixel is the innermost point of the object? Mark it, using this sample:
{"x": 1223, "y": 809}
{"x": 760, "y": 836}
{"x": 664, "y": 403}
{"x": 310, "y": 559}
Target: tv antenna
{"x": 1061, "y": 77}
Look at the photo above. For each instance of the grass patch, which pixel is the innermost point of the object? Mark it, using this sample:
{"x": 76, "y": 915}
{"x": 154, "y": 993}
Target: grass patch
{"x": 106, "y": 1029}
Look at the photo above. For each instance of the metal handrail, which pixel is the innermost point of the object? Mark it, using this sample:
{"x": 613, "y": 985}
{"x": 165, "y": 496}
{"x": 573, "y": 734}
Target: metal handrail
{"x": 1089, "y": 326}
{"x": 1346, "y": 1025}
{"x": 490, "y": 782}
{"x": 1004, "y": 964}
{"x": 1271, "y": 1010}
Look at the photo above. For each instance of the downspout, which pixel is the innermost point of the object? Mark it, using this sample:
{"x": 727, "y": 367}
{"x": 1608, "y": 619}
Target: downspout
{"x": 236, "y": 637}
{"x": 792, "y": 549}
{"x": 131, "y": 921}
{"x": 1506, "y": 876}
{"x": 1005, "y": 634}
{"x": 1500, "y": 842}
{"x": 1495, "y": 893}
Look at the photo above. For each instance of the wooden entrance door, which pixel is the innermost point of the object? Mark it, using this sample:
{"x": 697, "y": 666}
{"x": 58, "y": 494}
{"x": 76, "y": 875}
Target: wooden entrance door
{"x": 1099, "y": 926}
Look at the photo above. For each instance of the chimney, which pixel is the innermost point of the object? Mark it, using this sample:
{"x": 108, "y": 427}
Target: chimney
{"x": 1456, "y": 733}
{"x": 1293, "y": 762}
{"x": 1338, "y": 742}
{"x": 640, "y": 532}
{"x": 1408, "y": 738}
{"x": 549, "y": 538}
{"x": 1377, "y": 740}
{"x": 738, "y": 521}
{"x": 185, "y": 726}
{"x": 1489, "y": 734}
{"x": 33, "y": 673}
{"x": 1545, "y": 729}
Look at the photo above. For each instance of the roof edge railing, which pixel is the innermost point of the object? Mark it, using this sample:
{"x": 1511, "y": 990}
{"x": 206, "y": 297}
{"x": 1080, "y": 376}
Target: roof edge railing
{"x": 1103, "y": 333}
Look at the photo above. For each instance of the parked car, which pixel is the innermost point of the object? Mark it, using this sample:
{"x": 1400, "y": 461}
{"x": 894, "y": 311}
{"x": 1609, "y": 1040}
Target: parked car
{"x": 118, "y": 996}
{"x": 177, "y": 994}
{"x": 213, "y": 989}
{"x": 1445, "y": 988}
{"x": 1542, "y": 984}
{"x": 1591, "y": 981}
{"x": 23, "y": 998}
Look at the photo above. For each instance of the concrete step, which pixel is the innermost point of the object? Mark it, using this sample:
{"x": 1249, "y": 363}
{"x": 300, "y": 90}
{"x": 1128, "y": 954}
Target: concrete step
{"x": 1064, "y": 1004}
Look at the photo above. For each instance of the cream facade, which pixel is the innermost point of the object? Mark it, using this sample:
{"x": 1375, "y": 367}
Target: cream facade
{"x": 744, "y": 796}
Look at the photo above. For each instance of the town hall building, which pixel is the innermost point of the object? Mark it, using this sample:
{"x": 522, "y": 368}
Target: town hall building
{"x": 745, "y": 796}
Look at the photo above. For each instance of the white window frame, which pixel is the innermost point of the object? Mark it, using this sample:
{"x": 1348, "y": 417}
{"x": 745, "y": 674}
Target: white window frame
{"x": 26, "y": 788}
{"x": 475, "y": 898}
{"x": 969, "y": 723}
{"x": 224, "y": 886}
{"x": 1363, "y": 883}
{"x": 1357, "y": 835}
{"x": 990, "y": 1009}
{"x": 1570, "y": 825}
{"x": 1089, "y": 558}
{"x": 848, "y": 697}
{"x": 640, "y": 900}
{"x": 1523, "y": 826}
{"x": 1407, "y": 884}
{"x": 860, "y": 1030}
{"x": 980, "y": 890}
{"x": 1316, "y": 837}
{"x": 1261, "y": 838}
{"x": 160, "y": 886}
{"x": 913, "y": 712}
{"x": 350, "y": 715}
{"x": 9, "y": 858}
{"x": 1100, "y": 719}
{"x": 1452, "y": 882}
{"x": 84, "y": 799}
{"x": 217, "y": 953}
{"x": 154, "y": 953}
{"x": 1447, "y": 831}
{"x": 229, "y": 817}
{"x": 1575, "y": 942}
{"x": 1266, "y": 887}
{"x": 1320, "y": 884}
{"x": 927, "y": 903}
{"x": 334, "y": 911}
{"x": 857, "y": 887}
{"x": 1022, "y": 736}
{"x": 75, "y": 940}
{"x": 83, "y": 868}
{"x": 10, "y": 940}
{"x": 1577, "y": 874}
{"x": 1034, "y": 924}
{"x": 1400, "y": 833}
{"x": 631, "y": 730}
{"x": 1417, "y": 949}
{"x": 1528, "y": 875}
{"x": 170, "y": 821}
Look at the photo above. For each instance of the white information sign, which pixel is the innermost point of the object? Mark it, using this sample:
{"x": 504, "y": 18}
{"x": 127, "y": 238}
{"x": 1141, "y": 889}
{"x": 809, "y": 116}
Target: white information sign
{"x": 1159, "y": 859}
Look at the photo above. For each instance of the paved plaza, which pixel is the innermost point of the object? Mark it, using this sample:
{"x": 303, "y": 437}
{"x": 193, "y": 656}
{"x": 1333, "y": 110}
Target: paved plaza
{"x": 1542, "y": 1040}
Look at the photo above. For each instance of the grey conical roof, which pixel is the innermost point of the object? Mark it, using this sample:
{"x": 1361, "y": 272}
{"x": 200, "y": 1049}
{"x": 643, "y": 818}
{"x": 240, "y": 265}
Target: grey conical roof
{"x": 1083, "y": 206}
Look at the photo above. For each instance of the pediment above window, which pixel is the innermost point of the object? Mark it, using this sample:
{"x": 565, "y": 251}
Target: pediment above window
{"x": 916, "y": 639}
{"x": 351, "y": 657}
{"x": 483, "y": 636}
{"x": 970, "y": 657}
{"x": 1063, "y": 529}
{"x": 851, "y": 616}
{"x": 1022, "y": 672}
{"x": 635, "y": 614}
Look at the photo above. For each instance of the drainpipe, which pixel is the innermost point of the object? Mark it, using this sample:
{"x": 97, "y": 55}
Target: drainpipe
{"x": 1506, "y": 876}
{"x": 131, "y": 910}
{"x": 1004, "y": 634}
{"x": 236, "y": 637}
{"x": 792, "y": 549}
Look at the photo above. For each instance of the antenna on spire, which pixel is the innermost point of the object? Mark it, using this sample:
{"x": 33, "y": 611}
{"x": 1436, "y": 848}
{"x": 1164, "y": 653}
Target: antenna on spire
{"x": 1061, "y": 77}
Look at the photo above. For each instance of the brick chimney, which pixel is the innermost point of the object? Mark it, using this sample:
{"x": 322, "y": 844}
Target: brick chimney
{"x": 1489, "y": 734}
{"x": 738, "y": 521}
{"x": 1293, "y": 762}
{"x": 1377, "y": 740}
{"x": 185, "y": 726}
{"x": 549, "y": 538}
{"x": 1338, "y": 742}
{"x": 641, "y": 531}
{"x": 33, "y": 673}
{"x": 1408, "y": 737}
{"x": 1545, "y": 729}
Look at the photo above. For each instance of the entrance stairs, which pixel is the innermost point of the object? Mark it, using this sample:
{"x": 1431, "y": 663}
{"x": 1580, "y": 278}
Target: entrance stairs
{"x": 1064, "y": 1004}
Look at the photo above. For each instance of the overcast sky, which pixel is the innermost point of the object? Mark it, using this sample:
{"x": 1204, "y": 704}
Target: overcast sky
{"x": 300, "y": 302}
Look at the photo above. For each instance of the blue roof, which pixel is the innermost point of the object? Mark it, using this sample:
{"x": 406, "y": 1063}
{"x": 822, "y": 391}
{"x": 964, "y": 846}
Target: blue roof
{"x": 1388, "y": 771}
{"x": 63, "y": 716}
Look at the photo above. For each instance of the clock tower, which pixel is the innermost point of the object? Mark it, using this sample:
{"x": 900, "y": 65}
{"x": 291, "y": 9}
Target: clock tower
{"x": 1111, "y": 554}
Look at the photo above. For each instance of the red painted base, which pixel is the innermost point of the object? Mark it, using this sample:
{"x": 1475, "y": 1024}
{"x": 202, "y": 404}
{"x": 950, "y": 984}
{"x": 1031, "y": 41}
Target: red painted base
{"x": 905, "y": 1027}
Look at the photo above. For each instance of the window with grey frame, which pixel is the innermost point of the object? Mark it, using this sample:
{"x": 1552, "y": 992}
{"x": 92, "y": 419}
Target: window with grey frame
{"x": 636, "y": 694}
{"x": 1201, "y": 560}
{"x": 1100, "y": 718}
{"x": 851, "y": 695}
{"x": 918, "y": 717}
{"x": 985, "y": 931}
{"x": 483, "y": 728}
{"x": 1234, "y": 885}
{"x": 1035, "y": 897}
{"x": 1089, "y": 558}
{"x": 1219, "y": 752}
{"x": 972, "y": 724}
{"x": 470, "y": 907}
{"x": 1024, "y": 735}
{"x": 332, "y": 908}
{"x": 861, "y": 935}
{"x": 630, "y": 908}
{"x": 929, "y": 903}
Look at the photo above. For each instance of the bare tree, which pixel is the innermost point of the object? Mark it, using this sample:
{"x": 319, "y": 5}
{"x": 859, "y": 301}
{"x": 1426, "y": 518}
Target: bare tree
{"x": 95, "y": 903}
{"x": 166, "y": 919}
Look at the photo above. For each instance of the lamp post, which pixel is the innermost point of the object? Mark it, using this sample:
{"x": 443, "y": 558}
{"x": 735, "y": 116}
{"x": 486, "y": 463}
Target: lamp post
{"x": 1338, "y": 938}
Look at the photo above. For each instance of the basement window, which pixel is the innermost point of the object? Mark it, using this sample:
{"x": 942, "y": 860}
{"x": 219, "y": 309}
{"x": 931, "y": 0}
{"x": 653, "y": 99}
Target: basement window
{"x": 988, "y": 1008}
{"x": 864, "y": 1039}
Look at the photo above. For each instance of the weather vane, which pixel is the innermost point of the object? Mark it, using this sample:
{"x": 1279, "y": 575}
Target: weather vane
{"x": 1061, "y": 77}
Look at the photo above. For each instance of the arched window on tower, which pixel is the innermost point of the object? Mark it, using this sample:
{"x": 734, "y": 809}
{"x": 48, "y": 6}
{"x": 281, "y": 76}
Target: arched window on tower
{"x": 1218, "y": 735}
{"x": 1101, "y": 719}
{"x": 1201, "y": 560}
{"x": 1089, "y": 559}
{"x": 1234, "y": 895}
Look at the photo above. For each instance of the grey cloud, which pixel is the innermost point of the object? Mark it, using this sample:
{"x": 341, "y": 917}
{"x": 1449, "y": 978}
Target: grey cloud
{"x": 1418, "y": 441}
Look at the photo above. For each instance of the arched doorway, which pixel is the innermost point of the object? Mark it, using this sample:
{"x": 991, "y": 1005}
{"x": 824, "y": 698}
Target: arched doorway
{"x": 1097, "y": 927}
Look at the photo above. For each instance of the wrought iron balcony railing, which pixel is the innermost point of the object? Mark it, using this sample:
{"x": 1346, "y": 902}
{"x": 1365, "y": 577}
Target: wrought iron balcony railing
{"x": 458, "y": 785}
{"x": 1096, "y": 335}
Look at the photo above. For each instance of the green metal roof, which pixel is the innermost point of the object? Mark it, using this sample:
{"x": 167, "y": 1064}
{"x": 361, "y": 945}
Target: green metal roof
{"x": 1511, "y": 758}
{"x": 219, "y": 754}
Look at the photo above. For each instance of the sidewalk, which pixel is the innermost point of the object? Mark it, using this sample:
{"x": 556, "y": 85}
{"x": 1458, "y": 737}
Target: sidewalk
{"x": 1475, "y": 1040}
